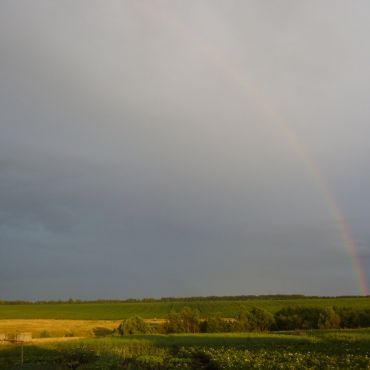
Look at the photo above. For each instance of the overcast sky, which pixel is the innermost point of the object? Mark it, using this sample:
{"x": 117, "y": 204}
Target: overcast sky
{"x": 141, "y": 153}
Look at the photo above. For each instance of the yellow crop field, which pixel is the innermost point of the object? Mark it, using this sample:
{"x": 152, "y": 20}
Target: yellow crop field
{"x": 59, "y": 328}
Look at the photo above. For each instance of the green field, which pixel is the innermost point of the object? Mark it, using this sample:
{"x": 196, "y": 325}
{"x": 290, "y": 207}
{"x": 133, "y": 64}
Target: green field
{"x": 344, "y": 349}
{"x": 148, "y": 310}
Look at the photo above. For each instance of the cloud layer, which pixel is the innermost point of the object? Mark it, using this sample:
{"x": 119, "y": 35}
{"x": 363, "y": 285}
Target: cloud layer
{"x": 139, "y": 156}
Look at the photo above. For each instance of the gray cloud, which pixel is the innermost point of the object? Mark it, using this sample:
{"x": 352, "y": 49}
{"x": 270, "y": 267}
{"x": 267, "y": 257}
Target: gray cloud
{"x": 138, "y": 155}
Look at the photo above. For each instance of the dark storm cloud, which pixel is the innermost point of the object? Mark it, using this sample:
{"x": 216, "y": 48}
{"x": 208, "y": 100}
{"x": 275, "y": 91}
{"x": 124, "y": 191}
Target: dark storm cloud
{"x": 135, "y": 162}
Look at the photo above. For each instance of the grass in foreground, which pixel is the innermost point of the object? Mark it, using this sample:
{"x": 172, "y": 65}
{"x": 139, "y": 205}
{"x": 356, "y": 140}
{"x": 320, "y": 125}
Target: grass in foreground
{"x": 344, "y": 349}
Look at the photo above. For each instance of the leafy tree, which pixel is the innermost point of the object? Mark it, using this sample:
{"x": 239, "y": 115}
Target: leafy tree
{"x": 328, "y": 319}
{"x": 244, "y": 321}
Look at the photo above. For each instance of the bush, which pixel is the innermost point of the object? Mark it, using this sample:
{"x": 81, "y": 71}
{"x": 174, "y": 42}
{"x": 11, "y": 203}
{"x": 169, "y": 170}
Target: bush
{"x": 261, "y": 320}
{"x": 328, "y": 319}
{"x": 352, "y": 318}
{"x": 255, "y": 319}
{"x": 216, "y": 324}
{"x": 293, "y": 318}
{"x": 133, "y": 326}
{"x": 185, "y": 321}
{"x": 244, "y": 321}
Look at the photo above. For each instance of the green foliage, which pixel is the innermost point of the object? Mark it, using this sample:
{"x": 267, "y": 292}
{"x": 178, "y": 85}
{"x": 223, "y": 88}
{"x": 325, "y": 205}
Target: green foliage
{"x": 292, "y": 318}
{"x": 244, "y": 321}
{"x": 353, "y": 318}
{"x": 134, "y": 326}
{"x": 185, "y": 321}
{"x": 328, "y": 319}
{"x": 254, "y": 319}
{"x": 188, "y": 321}
{"x": 261, "y": 319}
{"x": 216, "y": 324}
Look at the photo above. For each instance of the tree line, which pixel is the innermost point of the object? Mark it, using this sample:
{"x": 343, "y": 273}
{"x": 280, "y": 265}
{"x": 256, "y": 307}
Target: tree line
{"x": 189, "y": 320}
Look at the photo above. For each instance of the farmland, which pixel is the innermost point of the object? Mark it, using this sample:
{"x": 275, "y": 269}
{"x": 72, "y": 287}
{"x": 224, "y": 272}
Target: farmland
{"x": 159, "y": 309}
{"x": 330, "y": 349}
{"x": 59, "y": 328}
{"x": 80, "y": 335}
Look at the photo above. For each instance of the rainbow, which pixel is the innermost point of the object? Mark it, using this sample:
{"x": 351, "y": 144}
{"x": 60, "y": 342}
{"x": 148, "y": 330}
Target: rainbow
{"x": 238, "y": 76}
{"x": 337, "y": 213}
